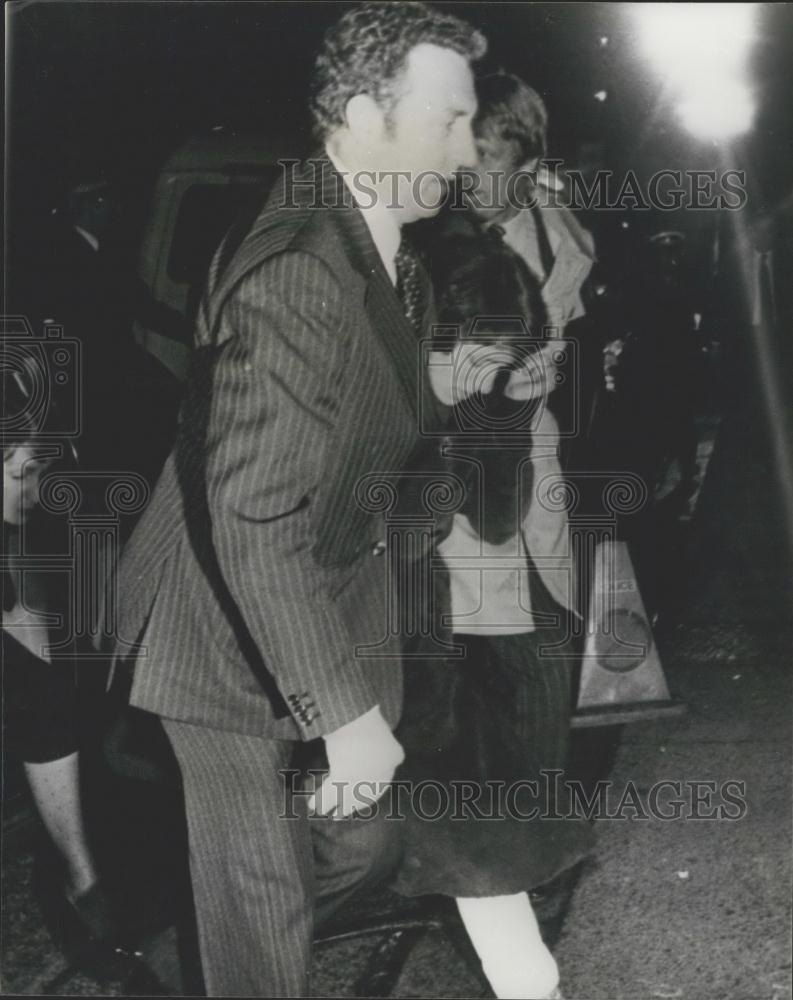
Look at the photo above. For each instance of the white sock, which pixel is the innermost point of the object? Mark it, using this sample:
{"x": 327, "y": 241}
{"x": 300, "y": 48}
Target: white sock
{"x": 506, "y": 936}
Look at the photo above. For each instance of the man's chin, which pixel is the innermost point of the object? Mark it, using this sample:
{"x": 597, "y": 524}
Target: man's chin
{"x": 432, "y": 197}
{"x": 429, "y": 207}
{"x": 420, "y": 212}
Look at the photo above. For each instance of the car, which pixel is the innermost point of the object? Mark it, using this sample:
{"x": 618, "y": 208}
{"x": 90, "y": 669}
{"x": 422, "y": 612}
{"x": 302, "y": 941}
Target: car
{"x": 199, "y": 192}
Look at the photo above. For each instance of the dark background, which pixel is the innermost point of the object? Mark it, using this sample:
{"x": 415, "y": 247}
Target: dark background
{"x": 101, "y": 89}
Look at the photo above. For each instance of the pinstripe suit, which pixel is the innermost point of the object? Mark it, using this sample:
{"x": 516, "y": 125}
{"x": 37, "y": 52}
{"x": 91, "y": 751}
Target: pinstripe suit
{"x": 254, "y": 574}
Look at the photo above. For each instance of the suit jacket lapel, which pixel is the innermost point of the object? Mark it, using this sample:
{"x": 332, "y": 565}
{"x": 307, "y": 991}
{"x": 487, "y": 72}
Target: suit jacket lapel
{"x": 387, "y": 318}
{"x": 382, "y": 304}
{"x": 319, "y": 184}
{"x": 391, "y": 327}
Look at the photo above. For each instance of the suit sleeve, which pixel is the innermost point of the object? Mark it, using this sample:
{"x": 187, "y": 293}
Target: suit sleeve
{"x": 276, "y": 397}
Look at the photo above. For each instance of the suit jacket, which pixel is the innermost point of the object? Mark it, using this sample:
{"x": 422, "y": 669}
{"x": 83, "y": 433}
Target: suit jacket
{"x": 255, "y": 573}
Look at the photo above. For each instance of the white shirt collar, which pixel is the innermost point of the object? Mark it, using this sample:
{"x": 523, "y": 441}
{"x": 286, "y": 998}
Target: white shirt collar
{"x": 384, "y": 229}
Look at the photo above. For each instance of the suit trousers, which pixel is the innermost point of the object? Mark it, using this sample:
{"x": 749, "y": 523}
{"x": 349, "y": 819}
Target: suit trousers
{"x": 264, "y": 874}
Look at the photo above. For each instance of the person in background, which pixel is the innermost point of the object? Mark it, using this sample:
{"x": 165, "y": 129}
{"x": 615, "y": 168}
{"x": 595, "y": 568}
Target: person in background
{"x": 514, "y": 190}
{"x": 660, "y": 365}
{"x": 41, "y": 710}
{"x": 511, "y": 193}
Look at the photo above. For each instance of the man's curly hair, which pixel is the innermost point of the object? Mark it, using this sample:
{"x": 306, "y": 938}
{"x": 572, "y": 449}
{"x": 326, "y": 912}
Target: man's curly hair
{"x": 366, "y": 51}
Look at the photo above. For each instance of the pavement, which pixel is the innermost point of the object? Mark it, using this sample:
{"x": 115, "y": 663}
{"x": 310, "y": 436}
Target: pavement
{"x": 700, "y": 908}
{"x": 694, "y": 906}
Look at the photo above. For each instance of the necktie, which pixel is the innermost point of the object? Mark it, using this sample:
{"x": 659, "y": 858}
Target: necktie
{"x": 410, "y": 284}
{"x": 543, "y": 242}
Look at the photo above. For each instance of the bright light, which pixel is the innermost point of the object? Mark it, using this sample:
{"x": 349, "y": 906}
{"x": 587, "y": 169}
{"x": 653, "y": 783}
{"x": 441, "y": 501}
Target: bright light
{"x": 701, "y": 51}
{"x": 724, "y": 111}
{"x": 687, "y": 41}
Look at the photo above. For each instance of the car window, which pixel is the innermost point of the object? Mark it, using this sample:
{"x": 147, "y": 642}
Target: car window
{"x": 206, "y": 213}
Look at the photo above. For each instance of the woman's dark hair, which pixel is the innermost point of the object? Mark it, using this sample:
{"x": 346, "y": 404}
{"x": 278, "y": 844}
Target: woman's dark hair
{"x": 19, "y": 426}
{"x": 482, "y": 286}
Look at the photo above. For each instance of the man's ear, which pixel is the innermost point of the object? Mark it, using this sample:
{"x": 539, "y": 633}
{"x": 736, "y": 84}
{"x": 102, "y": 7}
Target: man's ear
{"x": 365, "y": 119}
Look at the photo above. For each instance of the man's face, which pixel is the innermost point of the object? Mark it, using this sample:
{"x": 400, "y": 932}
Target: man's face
{"x": 496, "y": 162}
{"x": 428, "y": 130}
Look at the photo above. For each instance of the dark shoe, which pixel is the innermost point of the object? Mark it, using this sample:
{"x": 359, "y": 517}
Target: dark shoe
{"x": 94, "y": 909}
{"x": 80, "y": 925}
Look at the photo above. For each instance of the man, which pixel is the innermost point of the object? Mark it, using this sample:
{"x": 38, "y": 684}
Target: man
{"x": 514, "y": 190}
{"x": 253, "y": 580}
{"x": 514, "y": 194}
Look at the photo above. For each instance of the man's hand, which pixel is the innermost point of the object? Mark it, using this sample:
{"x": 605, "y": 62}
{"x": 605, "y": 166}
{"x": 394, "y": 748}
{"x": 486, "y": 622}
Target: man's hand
{"x": 362, "y": 759}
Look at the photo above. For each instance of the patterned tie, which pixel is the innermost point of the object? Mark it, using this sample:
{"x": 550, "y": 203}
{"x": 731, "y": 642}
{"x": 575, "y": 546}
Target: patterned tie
{"x": 410, "y": 284}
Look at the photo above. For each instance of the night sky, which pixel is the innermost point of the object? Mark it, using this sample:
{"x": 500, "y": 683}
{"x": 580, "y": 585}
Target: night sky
{"x": 108, "y": 89}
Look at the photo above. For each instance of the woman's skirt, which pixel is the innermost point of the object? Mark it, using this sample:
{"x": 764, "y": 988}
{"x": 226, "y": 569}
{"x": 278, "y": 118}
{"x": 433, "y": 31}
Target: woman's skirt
{"x": 40, "y": 721}
{"x": 483, "y": 789}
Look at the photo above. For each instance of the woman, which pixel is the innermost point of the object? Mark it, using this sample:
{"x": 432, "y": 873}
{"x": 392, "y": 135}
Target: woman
{"x": 40, "y": 708}
{"x": 489, "y": 723}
